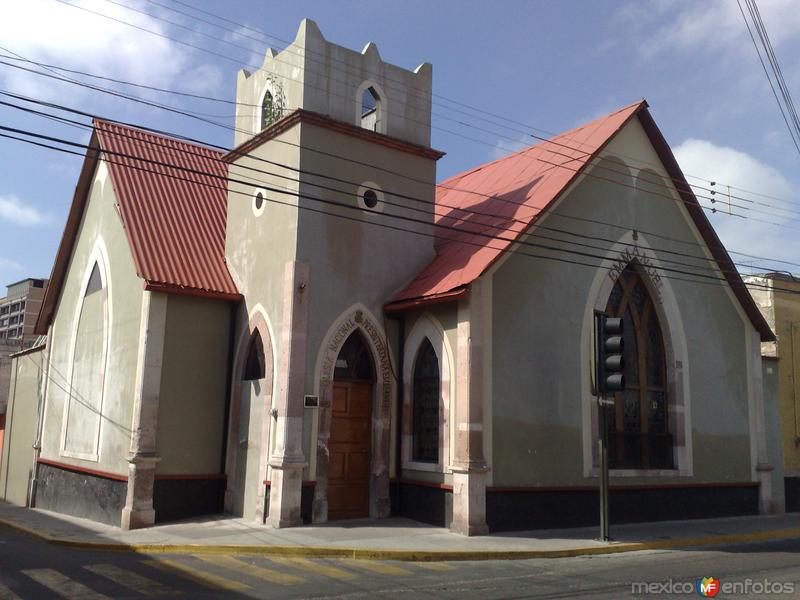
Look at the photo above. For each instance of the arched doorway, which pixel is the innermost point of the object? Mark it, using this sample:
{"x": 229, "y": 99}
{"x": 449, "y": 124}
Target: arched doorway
{"x": 351, "y": 431}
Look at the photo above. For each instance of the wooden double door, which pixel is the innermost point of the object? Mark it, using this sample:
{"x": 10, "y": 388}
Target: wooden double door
{"x": 349, "y": 450}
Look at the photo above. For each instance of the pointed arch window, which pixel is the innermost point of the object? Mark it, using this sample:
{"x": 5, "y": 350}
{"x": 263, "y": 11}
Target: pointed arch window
{"x": 425, "y": 405}
{"x": 370, "y": 107}
{"x": 639, "y": 430}
{"x": 254, "y": 367}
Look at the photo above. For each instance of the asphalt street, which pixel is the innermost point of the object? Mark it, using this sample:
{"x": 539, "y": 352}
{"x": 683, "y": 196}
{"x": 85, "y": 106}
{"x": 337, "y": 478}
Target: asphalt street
{"x": 32, "y": 570}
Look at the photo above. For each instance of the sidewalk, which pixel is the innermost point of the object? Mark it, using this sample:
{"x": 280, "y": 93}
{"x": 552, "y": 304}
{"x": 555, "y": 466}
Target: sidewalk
{"x": 390, "y": 539}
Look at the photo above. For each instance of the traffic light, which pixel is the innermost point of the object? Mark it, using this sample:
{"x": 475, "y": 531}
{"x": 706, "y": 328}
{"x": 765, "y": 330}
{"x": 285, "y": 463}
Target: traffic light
{"x": 608, "y": 354}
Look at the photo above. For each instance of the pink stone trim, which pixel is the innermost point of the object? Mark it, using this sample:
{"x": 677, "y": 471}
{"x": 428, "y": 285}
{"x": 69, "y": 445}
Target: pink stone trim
{"x": 381, "y": 413}
{"x": 257, "y": 323}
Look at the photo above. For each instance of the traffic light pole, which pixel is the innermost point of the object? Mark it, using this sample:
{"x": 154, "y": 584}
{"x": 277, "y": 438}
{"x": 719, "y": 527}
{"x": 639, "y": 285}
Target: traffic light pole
{"x": 602, "y": 447}
{"x": 609, "y": 378}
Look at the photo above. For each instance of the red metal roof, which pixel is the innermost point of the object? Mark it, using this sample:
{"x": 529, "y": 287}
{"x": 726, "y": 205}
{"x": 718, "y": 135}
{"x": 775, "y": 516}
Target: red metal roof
{"x": 515, "y": 189}
{"x": 174, "y": 209}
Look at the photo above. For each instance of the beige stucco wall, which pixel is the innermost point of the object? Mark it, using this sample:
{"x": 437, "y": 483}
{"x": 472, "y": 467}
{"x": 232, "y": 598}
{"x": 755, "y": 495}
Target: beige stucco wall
{"x": 779, "y": 301}
{"x": 194, "y": 386}
{"x": 100, "y": 235}
{"x": 352, "y": 258}
{"x": 16, "y": 455}
{"x": 542, "y": 430}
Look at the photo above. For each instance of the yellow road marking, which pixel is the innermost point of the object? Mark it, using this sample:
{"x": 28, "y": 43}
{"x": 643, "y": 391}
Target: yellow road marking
{"x": 7, "y": 594}
{"x": 201, "y": 577}
{"x": 132, "y": 581}
{"x": 434, "y": 566}
{"x": 62, "y": 585}
{"x": 315, "y": 567}
{"x": 378, "y": 567}
{"x": 241, "y": 566}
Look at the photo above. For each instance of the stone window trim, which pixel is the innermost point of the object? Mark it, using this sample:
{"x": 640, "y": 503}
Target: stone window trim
{"x": 358, "y": 317}
{"x": 258, "y": 209}
{"x": 665, "y": 302}
{"x": 362, "y": 203}
{"x": 98, "y": 259}
{"x": 257, "y": 322}
{"x": 427, "y": 327}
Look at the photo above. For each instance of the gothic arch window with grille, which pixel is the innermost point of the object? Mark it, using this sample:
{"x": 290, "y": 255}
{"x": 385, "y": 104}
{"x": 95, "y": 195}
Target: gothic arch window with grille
{"x": 425, "y": 405}
{"x": 639, "y": 428}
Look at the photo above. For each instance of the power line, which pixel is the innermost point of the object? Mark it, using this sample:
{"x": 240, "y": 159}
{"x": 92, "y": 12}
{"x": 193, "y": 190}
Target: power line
{"x": 441, "y": 185}
{"x": 427, "y": 202}
{"x": 564, "y": 216}
{"x": 513, "y": 244}
{"x": 237, "y": 61}
{"x": 405, "y": 87}
{"x": 793, "y": 133}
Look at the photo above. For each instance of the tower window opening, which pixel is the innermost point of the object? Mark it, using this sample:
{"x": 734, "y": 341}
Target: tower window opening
{"x": 268, "y": 112}
{"x": 370, "y": 106}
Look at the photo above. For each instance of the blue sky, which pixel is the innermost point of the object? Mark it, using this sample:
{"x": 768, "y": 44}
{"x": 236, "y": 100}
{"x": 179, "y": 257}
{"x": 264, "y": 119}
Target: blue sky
{"x": 548, "y": 65}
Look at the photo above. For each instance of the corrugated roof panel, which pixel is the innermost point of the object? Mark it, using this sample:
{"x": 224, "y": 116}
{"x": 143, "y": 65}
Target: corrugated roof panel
{"x": 173, "y": 200}
{"x": 515, "y": 189}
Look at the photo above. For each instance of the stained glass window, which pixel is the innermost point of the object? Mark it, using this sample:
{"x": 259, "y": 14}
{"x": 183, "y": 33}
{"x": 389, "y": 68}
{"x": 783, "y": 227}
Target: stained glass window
{"x": 639, "y": 436}
{"x": 425, "y": 405}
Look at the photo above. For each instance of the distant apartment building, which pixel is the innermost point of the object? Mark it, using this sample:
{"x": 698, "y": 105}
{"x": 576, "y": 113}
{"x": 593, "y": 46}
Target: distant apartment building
{"x": 18, "y": 311}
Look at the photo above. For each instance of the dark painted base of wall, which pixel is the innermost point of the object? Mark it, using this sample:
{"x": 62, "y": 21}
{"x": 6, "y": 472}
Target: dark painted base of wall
{"x": 554, "y": 509}
{"x": 422, "y": 503}
{"x": 175, "y": 499}
{"x": 792, "y": 487}
{"x": 80, "y": 494}
{"x": 516, "y": 511}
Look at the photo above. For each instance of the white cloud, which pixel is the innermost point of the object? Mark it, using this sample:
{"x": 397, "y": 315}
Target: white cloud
{"x": 11, "y": 265}
{"x": 727, "y": 166}
{"x": 11, "y": 209}
{"x": 55, "y": 33}
{"x": 709, "y": 25}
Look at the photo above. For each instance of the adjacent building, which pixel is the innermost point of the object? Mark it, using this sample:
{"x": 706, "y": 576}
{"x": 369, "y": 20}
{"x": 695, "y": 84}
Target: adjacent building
{"x": 778, "y": 297}
{"x": 308, "y": 327}
{"x": 18, "y": 311}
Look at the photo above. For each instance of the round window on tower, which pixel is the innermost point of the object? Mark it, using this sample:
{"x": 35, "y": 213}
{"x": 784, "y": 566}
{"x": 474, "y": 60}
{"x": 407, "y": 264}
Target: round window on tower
{"x": 259, "y": 202}
{"x": 370, "y": 197}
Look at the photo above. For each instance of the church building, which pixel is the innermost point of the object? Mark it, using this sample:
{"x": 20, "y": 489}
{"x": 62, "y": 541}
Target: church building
{"x": 310, "y": 328}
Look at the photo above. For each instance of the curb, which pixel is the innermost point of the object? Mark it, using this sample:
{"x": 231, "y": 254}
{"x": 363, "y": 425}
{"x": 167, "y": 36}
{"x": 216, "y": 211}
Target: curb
{"x": 404, "y": 555}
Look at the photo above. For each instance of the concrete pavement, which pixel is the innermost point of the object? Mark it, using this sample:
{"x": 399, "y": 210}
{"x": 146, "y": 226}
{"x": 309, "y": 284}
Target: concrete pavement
{"x": 391, "y": 539}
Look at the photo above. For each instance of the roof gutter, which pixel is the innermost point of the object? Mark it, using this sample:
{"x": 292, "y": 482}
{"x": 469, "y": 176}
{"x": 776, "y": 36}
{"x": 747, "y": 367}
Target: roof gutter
{"x": 402, "y": 305}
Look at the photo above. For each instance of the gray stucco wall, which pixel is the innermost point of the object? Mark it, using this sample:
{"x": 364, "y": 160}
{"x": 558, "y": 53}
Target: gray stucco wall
{"x": 540, "y": 364}
{"x": 194, "y": 386}
{"x": 100, "y": 231}
{"x": 16, "y": 455}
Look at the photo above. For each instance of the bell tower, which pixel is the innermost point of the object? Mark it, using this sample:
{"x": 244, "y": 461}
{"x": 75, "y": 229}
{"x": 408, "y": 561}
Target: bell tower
{"x": 347, "y": 86}
{"x": 330, "y": 206}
